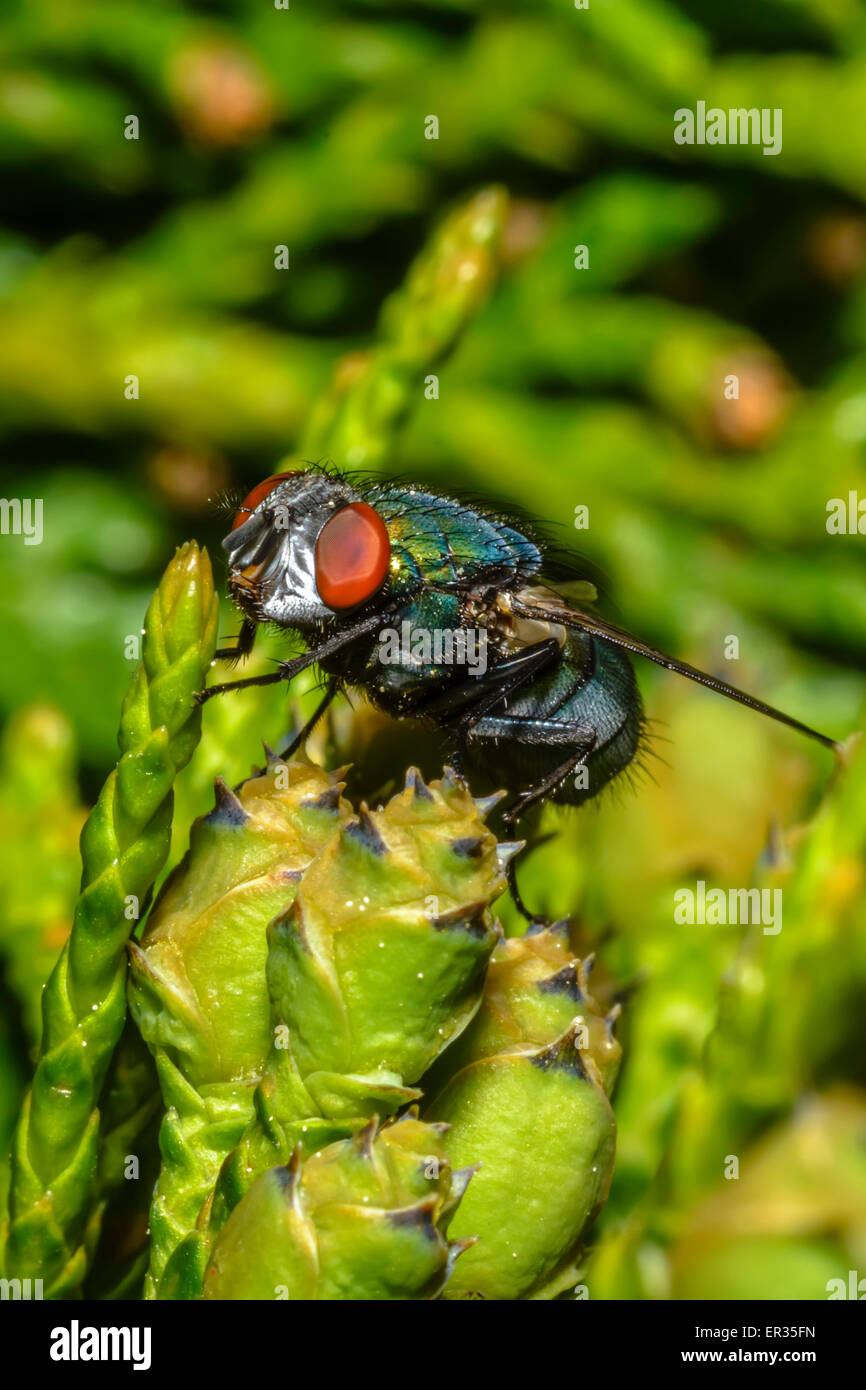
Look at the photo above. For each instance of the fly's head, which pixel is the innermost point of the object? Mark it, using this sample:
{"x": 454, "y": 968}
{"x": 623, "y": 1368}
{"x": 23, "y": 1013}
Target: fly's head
{"x": 304, "y": 547}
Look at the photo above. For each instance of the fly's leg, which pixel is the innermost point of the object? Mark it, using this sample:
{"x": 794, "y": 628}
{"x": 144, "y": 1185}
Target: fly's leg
{"x": 287, "y": 670}
{"x": 245, "y": 639}
{"x": 464, "y": 705}
{"x": 532, "y": 662}
{"x": 472, "y": 701}
{"x": 270, "y": 678}
{"x": 301, "y": 738}
{"x": 305, "y": 732}
{"x": 576, "y": 760}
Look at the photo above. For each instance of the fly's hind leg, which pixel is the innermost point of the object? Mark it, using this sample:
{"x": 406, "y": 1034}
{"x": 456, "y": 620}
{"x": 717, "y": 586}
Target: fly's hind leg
{"x": 466, "y": 703}
{"x": 535, "y": 793}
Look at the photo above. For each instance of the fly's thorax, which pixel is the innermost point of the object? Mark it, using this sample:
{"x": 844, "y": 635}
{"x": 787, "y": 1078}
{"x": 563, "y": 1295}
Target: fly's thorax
{"x": 451, "y": 543}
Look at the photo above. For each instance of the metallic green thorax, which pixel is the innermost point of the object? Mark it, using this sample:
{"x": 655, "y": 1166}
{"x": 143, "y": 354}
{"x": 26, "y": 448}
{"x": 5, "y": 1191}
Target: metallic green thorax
{"x": 439, "y": 541}
{"x": 443, "y": 542}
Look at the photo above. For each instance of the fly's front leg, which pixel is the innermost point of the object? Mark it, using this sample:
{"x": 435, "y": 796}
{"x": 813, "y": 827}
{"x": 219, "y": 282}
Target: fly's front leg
{"x": 287, "y": 670}
{"x": 270, "y": 678}
{"x": 245, "y": 639}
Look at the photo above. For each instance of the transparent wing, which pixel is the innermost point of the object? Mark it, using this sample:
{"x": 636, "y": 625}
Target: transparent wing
{"x": 548, "y": 610}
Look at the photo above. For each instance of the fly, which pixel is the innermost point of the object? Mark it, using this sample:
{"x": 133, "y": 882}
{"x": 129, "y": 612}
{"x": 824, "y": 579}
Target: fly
{"x": 553, "y": 709}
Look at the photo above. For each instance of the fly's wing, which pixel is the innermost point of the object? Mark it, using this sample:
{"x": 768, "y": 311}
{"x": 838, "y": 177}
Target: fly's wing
{"x": 577, "y": 591}
{"x": 548, "y": 609}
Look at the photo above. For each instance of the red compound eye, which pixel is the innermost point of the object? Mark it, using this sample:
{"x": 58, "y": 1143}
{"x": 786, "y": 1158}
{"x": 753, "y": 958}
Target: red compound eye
{"x": 352, "y": 555}
{"x": 258, "y": 494}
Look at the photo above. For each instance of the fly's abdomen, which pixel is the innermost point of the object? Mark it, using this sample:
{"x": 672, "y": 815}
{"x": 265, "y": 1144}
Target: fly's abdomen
{"x": 590, "y": 701}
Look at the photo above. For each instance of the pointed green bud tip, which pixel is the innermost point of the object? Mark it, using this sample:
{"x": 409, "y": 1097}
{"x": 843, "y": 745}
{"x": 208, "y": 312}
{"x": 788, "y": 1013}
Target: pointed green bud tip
{"x": 228, "y": 809}
{"x": 560, "y": 930}
{"x": 328, "y": 800}
{"x": 472, "y": 918}
{"x": 365, "y": 1218}
{"x": 562, "y": 1052}
{"x": 415, "y": 783}
{"x": 363, "y": 1140}
{"x": 564, "y": 981}
{"x": 184, "y": 610}
{"x": 468, "y": 846}
{"x": 506, "y": 851}
{"x": 364, "y": 832}
{"x": 485, "y": 804}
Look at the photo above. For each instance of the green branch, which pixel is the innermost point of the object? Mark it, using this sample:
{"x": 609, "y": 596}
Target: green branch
{"x": 124, "y": 844}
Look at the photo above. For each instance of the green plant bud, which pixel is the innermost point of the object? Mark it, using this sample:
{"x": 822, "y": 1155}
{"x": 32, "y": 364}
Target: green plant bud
{"x": 197, "y": 981}
{"x": 541, "y": 1129}
{"x": 536, "y": 988}
{"x": 54, "y": 1203}
{"x": 198, "y": 987}
{"x": 380, "y": 960}
{"x": 430, "y": 868}
{"x": 364, "y": 1219}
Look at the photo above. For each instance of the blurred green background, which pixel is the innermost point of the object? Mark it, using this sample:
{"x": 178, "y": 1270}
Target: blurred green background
{"x": 601, "y": 387}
